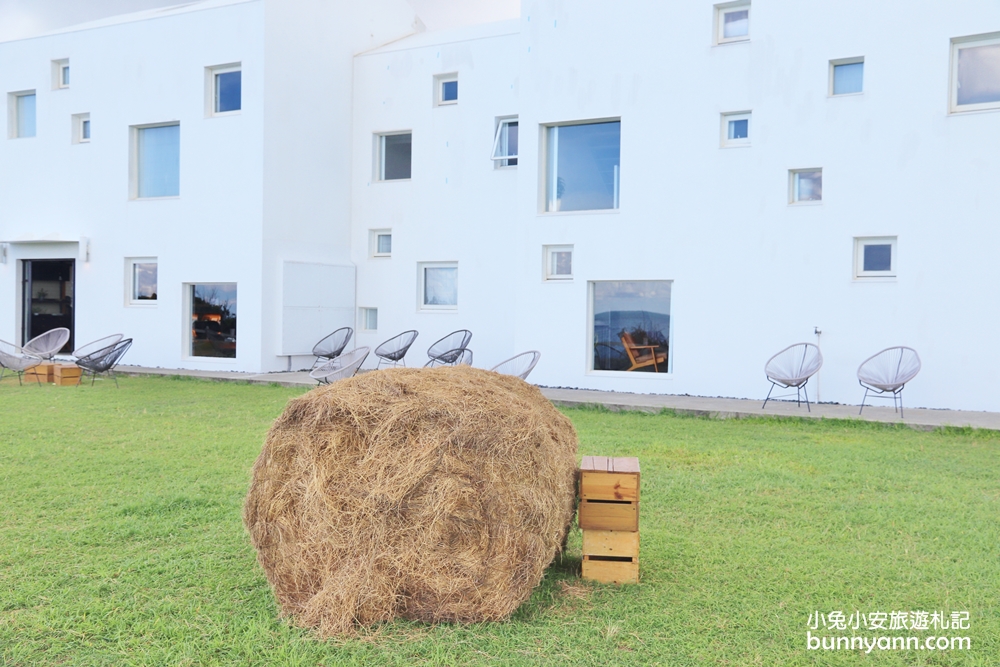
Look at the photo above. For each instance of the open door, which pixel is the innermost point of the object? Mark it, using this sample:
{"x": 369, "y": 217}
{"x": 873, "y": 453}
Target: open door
{"x": 48, "y": 292}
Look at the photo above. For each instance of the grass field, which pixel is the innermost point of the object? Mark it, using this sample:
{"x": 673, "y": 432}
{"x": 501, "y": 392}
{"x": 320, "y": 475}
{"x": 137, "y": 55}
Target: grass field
{"x": 121, "y": 541}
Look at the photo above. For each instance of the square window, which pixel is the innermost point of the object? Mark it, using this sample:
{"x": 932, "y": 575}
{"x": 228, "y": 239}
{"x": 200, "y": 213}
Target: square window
{"x": 21, "y": 114}
{"x": 60, "y": 74}
{"x": 446, "y": 89}
{"x": 847, "y": 76}
{"x": 630, "y": 326}
{"x": 732, "y": 22}
{"x": 805, "y": 185}
{"x": 369, "y": 319}
{"x": 582, "y": 166}
{"x": 156, "y": 161}
{"x": 875, "y": 257}
{"x": 395, "y": 151}
{"x": 558, "y": 262}
{"x": 212, "y": 313}
{"x": 224, "y": 89}
{"x": 81, "y": 128}
{"x": 438, "y": 285}
{"x": 140, "y": 279}
{"x": 380, "y": 242}
{"x": 505, "y": 143}
{"x": 975, "y": 73}
{"x": 736, "y": 129}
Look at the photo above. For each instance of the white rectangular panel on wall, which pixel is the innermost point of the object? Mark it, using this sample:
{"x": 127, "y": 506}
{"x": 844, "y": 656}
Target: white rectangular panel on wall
{"x": 316, "y": 299}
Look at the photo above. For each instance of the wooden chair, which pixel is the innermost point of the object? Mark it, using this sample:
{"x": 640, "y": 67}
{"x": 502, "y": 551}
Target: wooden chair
{"x": 642, "y": 355}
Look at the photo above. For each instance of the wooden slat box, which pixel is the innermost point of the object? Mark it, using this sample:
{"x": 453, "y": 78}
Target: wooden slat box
{"x": 40, "y": 373}
{"x": 611, "y": 543}
{"x": 608, "y": 515}
{"x": 604, "y": 478}
{"x": 609, "y": 570}
{"x": 66, "y": 375}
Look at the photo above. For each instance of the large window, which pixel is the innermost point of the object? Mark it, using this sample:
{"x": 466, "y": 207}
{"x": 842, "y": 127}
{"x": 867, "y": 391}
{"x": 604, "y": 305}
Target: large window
{"x": 631, "y": 325}
{"x": 213, "y": 319}
{"x": 582, "y": 166}
{"x": 395, "y": 152}
{"x": 141, "y": 279}
{"x": 975, "y": 73}
{"x": 438, "y": 285}
{"x": 156, "y": 155}
{"x": 225, "y": 89}
{"x": 847, "y": 76}
{"x": 21, "y": 114}
{"x": 505, "y": 143}
{"x": 732, "y": 22}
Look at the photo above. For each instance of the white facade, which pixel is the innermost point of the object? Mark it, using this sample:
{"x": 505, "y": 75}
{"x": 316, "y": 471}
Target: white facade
{"x": 283, "y": 197}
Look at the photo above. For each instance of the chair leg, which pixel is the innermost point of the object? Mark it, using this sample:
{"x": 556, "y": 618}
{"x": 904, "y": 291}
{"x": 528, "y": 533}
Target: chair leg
{"x": 113, "y": 377}
{"x": 768, "y": 396}
{"x": 901, "y": 403}
{"x": 806, "y": 392}
{"x": 863, "y": 401}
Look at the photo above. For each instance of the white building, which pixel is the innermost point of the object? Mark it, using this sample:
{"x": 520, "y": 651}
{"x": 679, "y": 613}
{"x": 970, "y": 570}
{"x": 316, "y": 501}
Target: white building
{"x": 718, "y": 181}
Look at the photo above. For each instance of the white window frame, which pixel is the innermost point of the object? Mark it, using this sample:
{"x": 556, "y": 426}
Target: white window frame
{"x": 439, "y": 81}
{"x": 589, "y": 363}
{"x": 503, "y": 161}
{"x": 78, "y": 120}
{"x": 845, "y": 61}
{"x": 421, "y": 274}
{"x": 380, "y": 156}
{"x": 859, "y": 257}
{"x": 130, "y": 299}
{"x": 725, "y": 141}
{"x": 363, "y": 313}
{"x": 133, "y": 167}
{"x": 547, "y": 257}
{"x": 12, "y": 115}
{"x": 58, "y": 79}
{"x": 720, "y": 23}
{"x": 957, "y": 44}
{"x": 187, "y": 304}
{"x": 373, "y": 236}
{"x": 793, "y": 187}
{"x": 550, "y": 180}
{"x": 211, "y": 90}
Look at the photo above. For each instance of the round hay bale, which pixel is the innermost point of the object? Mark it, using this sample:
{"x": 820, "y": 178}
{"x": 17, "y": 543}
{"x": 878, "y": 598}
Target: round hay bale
{"x": 427, "y": 494}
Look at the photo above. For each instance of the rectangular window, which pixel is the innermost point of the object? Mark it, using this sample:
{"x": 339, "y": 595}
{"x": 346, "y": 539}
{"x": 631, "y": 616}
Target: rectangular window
{"x": 558, "y": 262}
{"x": 438, "y": 285}
{"x": 21, "y": 114}
{"x": 60, "y": 74}
{"x": 582, "y": 166}
{"x": 213, "y": 319}
{"x": 156, "y": 159}
{"x": 224, "y": 89}
{"x": 875, "y": 257}
{"x": 805, "y": 185}
{"x": 141, "y": 280}
{"x": 446, "y": 89}
{"x": 975, "y": 73}
{"x": 732, "y": 22}
{"x": 735, "y": 129}
{"x": 81, "y": 128}
{"x": 505, "y": 143}
{"x": 847, "y": 76}
{"x": 380, "y": 242}
{"x": 630, "y": 323}
{"x": 395, "y": 152}
{"x": 369, "y": 319}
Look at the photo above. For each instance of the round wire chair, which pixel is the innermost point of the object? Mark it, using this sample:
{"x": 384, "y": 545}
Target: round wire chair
{"x": 13, "y": 358}
{"x": 792, "y": 367}
{"x": 461, "y": 357}
{"x": 94, "y": 346}
{"x": 48, "y": 344}
{"x": 103, "y": 361}
{"x": 520, "y": 365}
{"x": 343, "y": 366}
{"x": 450, "y": 344}
{"x": 393, "y": 350}
{"x": 888, "y": 371}
{"x": 331, "y": 346}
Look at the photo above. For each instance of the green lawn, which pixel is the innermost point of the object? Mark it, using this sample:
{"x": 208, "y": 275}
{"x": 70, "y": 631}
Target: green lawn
{"x": 121, "y": 541}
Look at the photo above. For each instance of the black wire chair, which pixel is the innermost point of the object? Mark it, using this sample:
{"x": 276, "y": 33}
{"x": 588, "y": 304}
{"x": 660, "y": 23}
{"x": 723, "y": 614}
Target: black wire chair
{"x": 393, "y": 350}
{"x": 94, "y": 346}
{"x": 461, "y": 357}
{"x": 451, "y": 345}
{"x": 103, "y": 361}
{"x": 332, "y": 346}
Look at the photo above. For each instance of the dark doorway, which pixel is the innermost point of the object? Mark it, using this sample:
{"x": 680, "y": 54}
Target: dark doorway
{"x": 48, "y": 297}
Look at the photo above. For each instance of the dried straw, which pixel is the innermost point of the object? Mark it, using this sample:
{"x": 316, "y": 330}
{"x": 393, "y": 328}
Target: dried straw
{"x": 428, "y": 494}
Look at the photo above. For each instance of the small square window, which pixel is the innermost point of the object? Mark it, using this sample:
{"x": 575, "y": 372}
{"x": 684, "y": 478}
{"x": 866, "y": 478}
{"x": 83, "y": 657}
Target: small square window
{"x": 732, "y": 22}
{"x": 81, "y": 128}
{"x": 446, "y": 89}
{"x": 505, "y": 143}
{"x": 156, "y": 161}
{"x": 21, "y": 114}
{"x": 369, "y": 319}
{"x": 224, "y": 89}
{"x": 805, "y": 185}
{"x": 736, "y": 129}
{"x": 582, "y": 166}
{"x": 60, "y": 74}
{"x": 875, "y": 257}
{"x": 558, "y": 262}
{"x": 212, "y": 316}
{"x": 395, "y": 152}
{"x": 975, "y": 73}
{"x": 380, "y": 241}
{"x": 140, "y": 279}
{"x": 438, "y": 283}
{"x": 847, "y": 76}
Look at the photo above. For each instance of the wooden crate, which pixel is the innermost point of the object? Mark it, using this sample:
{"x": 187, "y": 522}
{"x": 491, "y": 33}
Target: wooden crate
{"x": 609, "y": 518}
{"x": 611, "y": 543}
{"x": 40, "y": 373}
{"x": 604, "y": 478}
{"x": 66, "y": 371}
{"x": 608, "y": 570}
{"x": 608, "y": 515}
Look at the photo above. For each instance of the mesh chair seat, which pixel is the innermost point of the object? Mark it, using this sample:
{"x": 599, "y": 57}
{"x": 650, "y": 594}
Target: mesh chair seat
{"x": 520, "y": 365}
{"x": 15, "y": 359}
{"x": 94, "y": 346}
{"x": 48, "y": 344}
{"x": 792, "y": 367}
{"x": 888, "y": 371}
{"x": 332, "y": 346}
{"x": 456, "y": 340}
{"x": 343, "y": 366}
{"x": 104, "y": 361}
{"x": 393, "y": 350}
{"x": 461, "y": 357}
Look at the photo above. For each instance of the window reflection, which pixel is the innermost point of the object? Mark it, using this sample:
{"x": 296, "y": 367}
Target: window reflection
{"x": 631, "y": 321}
{"x": 213, "y": 317}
